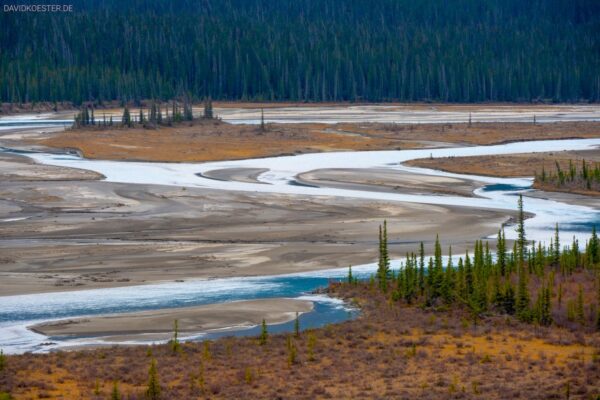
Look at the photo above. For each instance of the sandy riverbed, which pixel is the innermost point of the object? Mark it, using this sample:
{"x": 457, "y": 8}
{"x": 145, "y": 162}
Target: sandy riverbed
{"x": 70, "y": 235}
{"x": 158, "y": 324}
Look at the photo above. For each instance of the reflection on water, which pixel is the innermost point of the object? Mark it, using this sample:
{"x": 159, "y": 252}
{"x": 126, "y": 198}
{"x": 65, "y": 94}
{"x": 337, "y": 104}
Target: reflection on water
{"x": 497, "y": 187}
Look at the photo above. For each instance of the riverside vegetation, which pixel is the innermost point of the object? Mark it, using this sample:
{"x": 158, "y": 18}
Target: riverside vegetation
{"x": 520, "y": 324}
{"x": 577, "y": 178}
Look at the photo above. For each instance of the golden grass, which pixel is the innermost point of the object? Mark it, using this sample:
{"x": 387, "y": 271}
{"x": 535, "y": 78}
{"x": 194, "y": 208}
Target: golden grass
{"x": 213, "y": 141}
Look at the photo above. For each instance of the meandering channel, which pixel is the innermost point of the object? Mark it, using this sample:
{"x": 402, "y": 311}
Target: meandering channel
{"x": 278, "y": 177}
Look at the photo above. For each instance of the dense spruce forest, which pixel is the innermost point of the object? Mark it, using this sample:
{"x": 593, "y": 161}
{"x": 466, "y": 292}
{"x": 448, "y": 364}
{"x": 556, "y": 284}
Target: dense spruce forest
{"x": 304, "y": 50}
{"x": 530, "y": 282}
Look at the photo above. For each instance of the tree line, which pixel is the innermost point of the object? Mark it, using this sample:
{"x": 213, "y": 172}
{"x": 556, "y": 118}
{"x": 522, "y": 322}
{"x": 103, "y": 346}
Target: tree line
{"x": 584, "y": 176}
{"x": 304, "y": 50}
{"x": 527, "y": 282}
{"x": 152, "y": 117}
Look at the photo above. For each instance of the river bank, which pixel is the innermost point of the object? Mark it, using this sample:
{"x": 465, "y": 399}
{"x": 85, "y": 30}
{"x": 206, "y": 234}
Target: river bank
{"x": 157, "y": 325}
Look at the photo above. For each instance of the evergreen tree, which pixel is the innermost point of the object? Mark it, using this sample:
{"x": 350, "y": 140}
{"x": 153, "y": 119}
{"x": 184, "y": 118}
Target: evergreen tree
{"x": 263, "y": 333}
{"x": 593, "y": 248}
{"x": 159, "y": 116}
{"x": 312, "y": 342}
{"x": 126, "y": 119}
{"x": 383, "y": 269}
{"x": 175, "y": 345}
{"x": 292, "y": 351}
{"x": 556, "y": 253}
{"x": 208, "y": 110}
{"x": 115, "y": 395}
{"x": 522, "y": 300}
{"x": 297, "y": 326}
{"x": 153, "y": 390}
{"x": 262, "y": 120}
{"x": 501, "y": 252}
{"x": 421, "y": 278}
{"x": 521, "y": 241}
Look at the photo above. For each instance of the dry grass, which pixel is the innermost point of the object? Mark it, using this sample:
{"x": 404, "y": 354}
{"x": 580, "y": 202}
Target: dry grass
{"x": 212, "y": 140}
{"x": 391, "y": 351}
{"x": 515, "y": 165}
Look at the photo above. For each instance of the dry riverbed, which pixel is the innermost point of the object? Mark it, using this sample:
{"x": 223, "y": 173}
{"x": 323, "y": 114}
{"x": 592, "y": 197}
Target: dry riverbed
{"x": 58, "y": 235}
{"x": 158, "y": 324}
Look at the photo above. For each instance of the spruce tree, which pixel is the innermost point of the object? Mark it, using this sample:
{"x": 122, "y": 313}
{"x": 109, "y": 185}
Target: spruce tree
{"x": 115, "y": 395}
{"x": 501, "y": 252}
{"x": 421, "y": 279}
{"x": 263, "y": 333}
{"x": 297, "y": 326}
{"x": 126, "y": 119}
{"x": 556, "y": 253}
{"x": 593, "y": 248}
{"x": 522, "y": 300}
{"x": 383, "y": 270}
{"x": 312, "y": 342}
{"x": 262, "y": 120}
{"x": 208, "y": 111}
{"x": 154, "y": 389}
{"x": 521, "y": 241}
{"x": 175, "y": 345}
{"x": 292, "y": 351}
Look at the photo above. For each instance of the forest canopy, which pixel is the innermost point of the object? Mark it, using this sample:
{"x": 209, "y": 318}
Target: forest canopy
{"x": 304, "y": 50}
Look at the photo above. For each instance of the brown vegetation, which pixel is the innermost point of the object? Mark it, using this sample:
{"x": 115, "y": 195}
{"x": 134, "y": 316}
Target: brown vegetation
{"x": 214, "y": 140}
{"x": 515, "y": 165}
{"x": 391, "y": 351}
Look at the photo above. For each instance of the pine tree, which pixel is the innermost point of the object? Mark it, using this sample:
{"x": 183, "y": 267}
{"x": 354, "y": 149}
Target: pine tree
{"x": 508, "y": 298}
{"x": 159, "y": 116}
{"x": 521, "y": 241}
{"x": 556, "y": 248}
{"x": 263, "y": 333}
{"x": 593, "y": 248}
{"x": 522, "y": 300}
{"x": 292, "y": 351}
{"x": 297, "y": 326}
{"x": 154, "y": 389}
{"x": 115, "y": 395}
{"x": 421, "y": 279}
{"x": 350, "y": 277}
{"x": 2, "y": 360}
{"x": 208, "y": 110}
{"x": 262, "y": 120}
{"x": 312, "y": 342}
{"x": 543, "y": 314}
{"x": 383, "y": 270}
{"x": 501, "y": 252}
{"x": 126, "y": 119}
{"x": 175, "y": 345}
